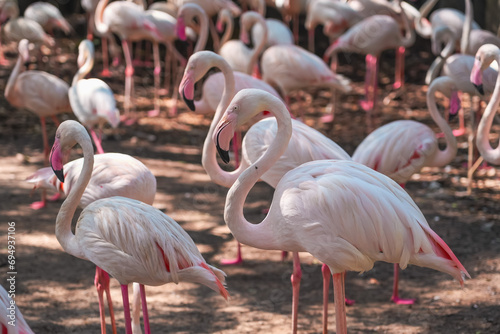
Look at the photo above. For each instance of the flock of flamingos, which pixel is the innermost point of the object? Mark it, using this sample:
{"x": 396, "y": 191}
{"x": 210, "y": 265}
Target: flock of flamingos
{"x": 348, "y": 212}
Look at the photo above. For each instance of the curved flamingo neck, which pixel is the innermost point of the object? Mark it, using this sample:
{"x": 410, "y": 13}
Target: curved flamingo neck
{"x": 442, "y": 157}
{"x": 63, "y": 221}
{"x": 257, "y": 50}
{"x": 409, "y": 37}
{"x": 465, "y": 40}
{"x": 101, "y": 27}
{"x": 261, "y": 8}
{"x": 209, "y": 155}
{"x": 18, "y": 69}
{"x": 202, "y": 39}
{"x": 425, "y": 9}
{"x": 86, "y": 67}
{"x": 258, "y": 235}
{"x": 482, "y": 141}
{"x": 229, "y": 23}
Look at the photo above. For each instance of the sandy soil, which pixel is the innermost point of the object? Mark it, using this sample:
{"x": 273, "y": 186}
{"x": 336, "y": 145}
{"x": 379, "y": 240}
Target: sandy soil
{"x": 55, "y": 291}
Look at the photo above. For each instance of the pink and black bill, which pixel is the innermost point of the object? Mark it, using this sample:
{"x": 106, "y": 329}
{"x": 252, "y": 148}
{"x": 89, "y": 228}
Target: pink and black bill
{"x": 55, "y": 160}
{"x": 476, "y": 77}
{"x": 224, "y": 154}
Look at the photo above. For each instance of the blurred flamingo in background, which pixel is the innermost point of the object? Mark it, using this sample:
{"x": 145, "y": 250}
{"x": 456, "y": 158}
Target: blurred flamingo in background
{"x": 277, "y": 31}
{"x": 92, "y": 100}
{"x": 127, "y": 20}
{"x": 345, "y": 214}
{"x": 402, "y": 148}
{"x": 131, "y": 240}
{"x": 48, "y": 16}
{"x": 41, "y": 93}
{"x": 372, "y": 36}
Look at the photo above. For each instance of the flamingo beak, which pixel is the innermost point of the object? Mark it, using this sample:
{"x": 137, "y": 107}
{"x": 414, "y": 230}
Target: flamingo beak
{"x": 223, "y": 134}
{"x": 186, "y": 90}
{"x": 455, "y": 105}
{"x": 180, "y": 28}
{"x": 55, "y": 160}
{"x": 476, "y": 76}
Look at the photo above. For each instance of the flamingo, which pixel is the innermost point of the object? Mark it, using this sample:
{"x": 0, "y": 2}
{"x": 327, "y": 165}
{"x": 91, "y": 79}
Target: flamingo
{"x": 127, "y": 20}
{"x": 236, "y": 53}
{"x": 92, "y": 100}
{"x": 277, "y": 31}
{"x": 290, "y": 67}
{"x": 186, "y": 16}
{"x": 343, "y": 213}
{"x": 129, "y": 239}
{"x": 306, "y": 144}
{"x": 402, "y": 148}
{"x": 11, "y": 319}
{"x": 371, "y": 36}
{"x": 48, "y": 16}
{"x": 41, "y": 93}
{"x": 484, "y": 57}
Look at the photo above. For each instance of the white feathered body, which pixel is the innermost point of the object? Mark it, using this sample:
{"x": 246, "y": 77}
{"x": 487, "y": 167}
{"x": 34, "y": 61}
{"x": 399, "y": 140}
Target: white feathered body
{"x": 364, "y": 217}
{"x": 47, "y": 15}
{"x": 237, "y": 54}
{"x": 21, "y": 327}
{"x": 278, "y": 33}
{"x": 398, "y": 149}
{"x": 306, "y": 144}
{"x": 114, "y": 174}
{"x": 135, "y": 242}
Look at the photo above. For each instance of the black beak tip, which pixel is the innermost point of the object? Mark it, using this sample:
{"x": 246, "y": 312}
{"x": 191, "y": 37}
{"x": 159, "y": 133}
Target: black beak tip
{"x": 224, "y": 155}
{"x": 452, "y": 116}
{"x": 480, "y": 88}
{"x": 189, "y": 103}
{"x": 59, "y": 174}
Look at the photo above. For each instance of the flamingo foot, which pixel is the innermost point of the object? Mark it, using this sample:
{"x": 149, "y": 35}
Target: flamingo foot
{"x": 232, "y": 262}
{"x": 105, "y": 73}
{"x": 55, "y": 197}
{"x": 327, "y": 118}
{"x": 4, "y": 62}
{"x": 397, "y": 85}
{"x": 153, "y": 113}
{"x": 116, "y": 61}
{"x": 173, "y": 111}
{"x": 349, "y": 302}
{"x": 127, "y": 120}
{"x": 366, "y": 105}
{"x": 400, "y": 301}
{"x": 456, "y": 133}
{"x": 38, "y": 205}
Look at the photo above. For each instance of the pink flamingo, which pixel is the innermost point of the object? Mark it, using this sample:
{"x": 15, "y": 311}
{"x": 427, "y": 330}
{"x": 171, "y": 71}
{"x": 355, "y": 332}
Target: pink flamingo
{"x": 484, "y": 57}
{"x": 402, "y": 148}
{"x": 372, "y": 36}
{"x": 305, "y": 145}
{"x": 48, "y": 16}
{"x": 343, "y": 213}
{"x": 131, "y": 240}
{"x": 8, "y": 325}
{"x": 92, "y": 100}
{"x": 240, "y": 57}
{"x": 41, "y": 93}
{"x": 290, "y": 68}
{"x": 127, "y": 20}
{"x": 277, "y": 31}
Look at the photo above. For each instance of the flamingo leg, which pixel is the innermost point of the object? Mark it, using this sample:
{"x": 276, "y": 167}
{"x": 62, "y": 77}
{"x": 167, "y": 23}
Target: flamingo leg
{"x": 97, "y": 141}
{"x": 310, "y": 39}
{"x": 105, "y": 58}
{"x": 3, "y": 61}
{"x": 90, "y": 26}
{"x": 284, "y": 254}
{"x": 55, "y": 120}
{"x": 145, "y": 315}
{"x": 168, "y": 70}
{"x": 364, "y": 102}
{"x": 129, "y": 80}
{"x": 238, "y": 260}
{"x": 339, "y": 299}
{"x": 46, "y": 150}
{"x": 296, "y": 278}
{"x": 101, "y": 282}
{"x": 395, "y": 290}
{"x": 136, "y": 308}
{"x": 400, "y": 68}
{"x": 157, "y": 70}
{"x": 126, "y": 309}
{"x": 326, "y": 289}
{"x": 295, "y": 22}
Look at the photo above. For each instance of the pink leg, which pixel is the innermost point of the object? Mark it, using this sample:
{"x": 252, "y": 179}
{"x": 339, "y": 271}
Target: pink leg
{"x": 296, "y": 278}
{"x": 156, "y": 55}
{"x": 284, "y": 255}
{"x": 105, "y": 58}
{"x": 168, "y": 68}
{"x": 126, "y": 309}
{"x": 90, "y": 24}
{"x": 326, "y": 289}
{"x": 310, "y": 39}
{"x": 97, "y": 141}
{"x": 400, "y": 68}
{"x": 55, "y": 120}
{"x": 395, "y": 291}
{"x": 231, "y": 262}
{"x": 145, "y": 310}
{"x": 46, "y": 150}
{"x": 101, "y": 282}
{"x": 129, "y": 81}
{"x": 3, "y": 61}
{"x": 54, "y": 198}
{"x": 339, "y": 299}
{"x": 365, "y": 102}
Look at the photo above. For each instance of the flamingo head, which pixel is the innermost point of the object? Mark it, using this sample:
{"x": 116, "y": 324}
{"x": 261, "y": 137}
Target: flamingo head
{"x": 484, "y": 57}
{"x": 455, "y": 104}
{"x": 67, "y": 135}
{"x": 85, "y": 50}
{"x": 180, "y": 28}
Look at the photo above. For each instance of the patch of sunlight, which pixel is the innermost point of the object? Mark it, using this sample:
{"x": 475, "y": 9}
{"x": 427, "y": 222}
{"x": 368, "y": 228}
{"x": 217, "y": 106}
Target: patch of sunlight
{"x": 39, "y": 240}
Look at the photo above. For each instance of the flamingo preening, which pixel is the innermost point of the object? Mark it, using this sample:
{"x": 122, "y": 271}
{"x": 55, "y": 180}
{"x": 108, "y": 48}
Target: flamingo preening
{"x": 128, "y": 239}
{"x": 345, "y": 214}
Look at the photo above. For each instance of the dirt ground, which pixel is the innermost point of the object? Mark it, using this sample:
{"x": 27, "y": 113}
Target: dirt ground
{"x": 55, "y": 291}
